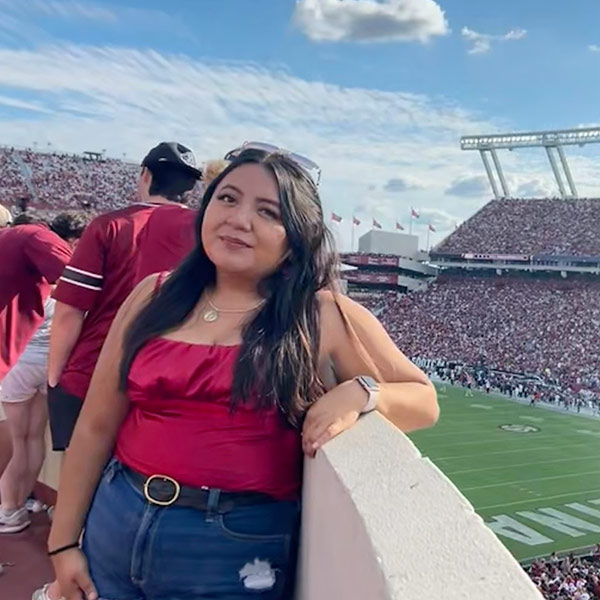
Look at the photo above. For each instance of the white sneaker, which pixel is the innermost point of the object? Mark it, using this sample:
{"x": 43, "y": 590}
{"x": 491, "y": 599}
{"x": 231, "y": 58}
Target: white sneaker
{"x": 34, "y": 506}
{"x": 42, "y": 593}
{"x": 15, "y": 521}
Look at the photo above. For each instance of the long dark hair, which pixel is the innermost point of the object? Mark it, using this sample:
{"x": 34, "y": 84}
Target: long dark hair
{"x": 278, "y": 361}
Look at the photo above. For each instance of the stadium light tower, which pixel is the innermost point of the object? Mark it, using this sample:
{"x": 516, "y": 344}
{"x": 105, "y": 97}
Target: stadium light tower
{"x": 552, "y": 141}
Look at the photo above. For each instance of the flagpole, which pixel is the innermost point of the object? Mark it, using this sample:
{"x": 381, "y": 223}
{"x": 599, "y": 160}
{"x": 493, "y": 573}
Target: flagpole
{"x": 352, "y": 235}
{"x": 428, "y": 231}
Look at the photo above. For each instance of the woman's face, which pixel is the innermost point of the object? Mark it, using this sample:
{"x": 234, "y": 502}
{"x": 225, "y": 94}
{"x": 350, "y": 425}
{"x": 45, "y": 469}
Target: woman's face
{"x": 242, "y": 231}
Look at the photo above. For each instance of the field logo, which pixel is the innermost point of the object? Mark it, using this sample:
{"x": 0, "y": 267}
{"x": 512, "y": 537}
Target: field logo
{"x": 518, "y": 428}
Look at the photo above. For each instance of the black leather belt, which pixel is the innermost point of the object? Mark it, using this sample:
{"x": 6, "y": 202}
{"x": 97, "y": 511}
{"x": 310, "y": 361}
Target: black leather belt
{"x": 163, "y": 490}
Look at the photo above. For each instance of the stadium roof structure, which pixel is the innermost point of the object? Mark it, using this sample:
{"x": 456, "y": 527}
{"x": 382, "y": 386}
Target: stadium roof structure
{"x": 552, "y": 141}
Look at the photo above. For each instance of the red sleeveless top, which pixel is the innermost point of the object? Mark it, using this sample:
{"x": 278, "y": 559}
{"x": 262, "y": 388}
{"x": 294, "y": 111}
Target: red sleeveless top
{"x": 180, "y": 424}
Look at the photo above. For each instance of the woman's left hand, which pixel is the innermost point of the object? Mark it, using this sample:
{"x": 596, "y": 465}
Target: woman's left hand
{"x": 332, "y": 414}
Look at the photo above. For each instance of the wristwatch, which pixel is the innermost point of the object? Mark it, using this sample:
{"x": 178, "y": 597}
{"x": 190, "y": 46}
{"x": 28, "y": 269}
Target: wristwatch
{"x": 372, "y": 388}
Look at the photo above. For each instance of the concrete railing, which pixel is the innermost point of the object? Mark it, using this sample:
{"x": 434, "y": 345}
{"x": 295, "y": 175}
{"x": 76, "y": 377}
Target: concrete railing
{"x": 382, "y": 523}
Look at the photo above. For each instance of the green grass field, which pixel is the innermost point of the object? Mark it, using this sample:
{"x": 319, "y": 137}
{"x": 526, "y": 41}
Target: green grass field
{"x": 536, "y": 485}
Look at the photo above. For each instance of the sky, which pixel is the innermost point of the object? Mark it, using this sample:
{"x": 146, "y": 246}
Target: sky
{"x": 377, "y": 92}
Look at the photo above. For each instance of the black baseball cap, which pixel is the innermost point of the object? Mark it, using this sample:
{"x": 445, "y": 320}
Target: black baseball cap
{"x": 174, "y": 154}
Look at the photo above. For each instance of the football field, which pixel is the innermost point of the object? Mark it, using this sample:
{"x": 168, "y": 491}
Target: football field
{"x": 532, "y": 474}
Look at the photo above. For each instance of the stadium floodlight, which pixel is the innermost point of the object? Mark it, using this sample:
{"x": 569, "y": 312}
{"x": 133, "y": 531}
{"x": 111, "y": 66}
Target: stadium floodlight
{"x": 551, "y": 141}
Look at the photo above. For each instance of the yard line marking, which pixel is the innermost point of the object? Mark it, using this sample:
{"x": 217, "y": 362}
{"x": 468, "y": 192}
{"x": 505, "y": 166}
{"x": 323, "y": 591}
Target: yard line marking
{"x": 539, "y": 462}
{"x": 504, "y": 483}
{"x": 477, "y": 508}
{"x": 517, "y": 436}
{"x": 588, "y": 432}
{"x": 434, "y": 434}
{"x": 525, "y": 450}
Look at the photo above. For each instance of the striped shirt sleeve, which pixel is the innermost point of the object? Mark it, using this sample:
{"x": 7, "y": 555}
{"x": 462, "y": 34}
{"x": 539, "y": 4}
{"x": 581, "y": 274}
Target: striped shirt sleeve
{"x": 82, "y": 278}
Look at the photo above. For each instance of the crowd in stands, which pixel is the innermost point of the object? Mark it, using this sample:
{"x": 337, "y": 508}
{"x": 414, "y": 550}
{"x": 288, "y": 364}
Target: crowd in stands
{"x": 55, "y": 181}
{"x": 542, "y": 327}
{"x": 534, "y": 389}
{"x": 12, "y": 182}
{"x": 532, "y": 226}
{"x": 372, "y": 254}
{"x": 374, "y": 300}
{"x": 569, "y": 578}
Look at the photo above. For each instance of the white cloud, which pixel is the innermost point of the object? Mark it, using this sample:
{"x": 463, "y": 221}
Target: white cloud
{"x": 20, "y": 104}
{"x": 370, "y": 20}
{"x": 482, "y": 42}
{"x": 469, "y": 185}
{"x": 535, "y": 187}
{"x": 61, "y": 9}
{"x": 522, "y": 185}
{"x": 440, "y": 219}
{"x": 397, "y": 185}
{"x": 594, "y": 48}
{"x": 27, "y": 24}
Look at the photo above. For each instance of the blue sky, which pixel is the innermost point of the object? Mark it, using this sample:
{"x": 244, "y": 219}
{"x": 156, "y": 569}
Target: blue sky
{"x": 378, "y": 92}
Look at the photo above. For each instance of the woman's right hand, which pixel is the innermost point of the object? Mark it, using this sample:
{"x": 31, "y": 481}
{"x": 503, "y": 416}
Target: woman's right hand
{"x": 73, "y": 576}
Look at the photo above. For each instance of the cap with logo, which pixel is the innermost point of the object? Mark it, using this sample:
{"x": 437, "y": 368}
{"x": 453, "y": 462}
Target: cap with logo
{"x": 173, "y": 154}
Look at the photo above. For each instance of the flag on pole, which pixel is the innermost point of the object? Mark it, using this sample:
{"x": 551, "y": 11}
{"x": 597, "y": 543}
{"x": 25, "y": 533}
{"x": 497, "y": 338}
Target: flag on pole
{"x": 376, "y": 224}
{"x": 431, "y": 227}
{"x": 414, "y": 213}
{"x": 336, "y": 218}
{"x": 399, "y": 227}
{"x": 355, "y": 221}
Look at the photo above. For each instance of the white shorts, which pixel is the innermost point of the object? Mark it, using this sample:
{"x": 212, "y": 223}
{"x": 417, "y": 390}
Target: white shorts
{"x": 23, "y": 381}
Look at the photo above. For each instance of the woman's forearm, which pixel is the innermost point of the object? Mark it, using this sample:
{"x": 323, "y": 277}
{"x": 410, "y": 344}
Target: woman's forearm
{"x": 88, "y": 452}
{"x": 409, "y": 405}
{"x": 103, "y": 412}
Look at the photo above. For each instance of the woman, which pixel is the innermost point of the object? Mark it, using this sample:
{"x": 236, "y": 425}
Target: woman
{"x": 208, "y": 389}
{"x": 23, "y": 396}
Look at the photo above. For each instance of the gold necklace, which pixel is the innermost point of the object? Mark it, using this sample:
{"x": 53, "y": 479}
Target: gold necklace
{"x": 212, "y": 314}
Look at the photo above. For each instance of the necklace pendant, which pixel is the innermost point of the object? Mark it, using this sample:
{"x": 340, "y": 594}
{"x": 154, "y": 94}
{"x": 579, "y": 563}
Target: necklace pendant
{"x": 210, "y": 316}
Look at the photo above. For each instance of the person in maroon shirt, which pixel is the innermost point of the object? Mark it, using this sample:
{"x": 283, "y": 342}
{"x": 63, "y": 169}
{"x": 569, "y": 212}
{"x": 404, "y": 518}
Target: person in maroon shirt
{"x": 170, "y": 234}
{"x": 32, "y": 257}
{"x": 99, "y": 278}
{"x": 167, "y": 238}
{"x": 213, "y": 382}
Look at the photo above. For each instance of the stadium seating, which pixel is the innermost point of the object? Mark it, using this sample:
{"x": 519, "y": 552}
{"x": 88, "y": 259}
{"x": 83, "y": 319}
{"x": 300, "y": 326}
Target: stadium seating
{"x": 534, "y": 226}
{"x": 570, "y": 578}
{"x": 53, "y": 181}
{"x": 547, "y": 327}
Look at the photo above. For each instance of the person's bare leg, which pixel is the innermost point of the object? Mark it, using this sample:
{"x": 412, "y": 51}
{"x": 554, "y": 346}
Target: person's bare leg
{"x": 11, "y": 482}
{"x": 36, "y": 448}
{"x": 5, "y": 446}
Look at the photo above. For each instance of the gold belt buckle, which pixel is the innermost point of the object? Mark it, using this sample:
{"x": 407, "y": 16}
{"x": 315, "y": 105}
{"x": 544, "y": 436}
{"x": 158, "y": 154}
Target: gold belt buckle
{"x": 161, "y": 502}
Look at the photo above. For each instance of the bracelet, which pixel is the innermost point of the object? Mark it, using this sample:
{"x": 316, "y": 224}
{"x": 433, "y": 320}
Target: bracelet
{"x": 63, "y": 549}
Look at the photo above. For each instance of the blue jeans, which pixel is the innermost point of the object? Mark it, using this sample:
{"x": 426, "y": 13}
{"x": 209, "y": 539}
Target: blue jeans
{"x": 140, "y": 551}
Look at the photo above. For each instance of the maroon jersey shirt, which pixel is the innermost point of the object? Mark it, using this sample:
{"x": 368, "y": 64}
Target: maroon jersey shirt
{"x": 97, "y": 280}
{"x": 32, "y": 257}
{"x": 168, "y": 237}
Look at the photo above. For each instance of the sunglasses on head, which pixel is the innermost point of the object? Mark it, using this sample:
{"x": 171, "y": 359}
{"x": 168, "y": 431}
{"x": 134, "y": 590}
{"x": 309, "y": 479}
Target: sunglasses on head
{"x": 308, "y": 165}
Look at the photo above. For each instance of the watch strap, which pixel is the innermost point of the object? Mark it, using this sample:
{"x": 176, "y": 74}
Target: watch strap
{"x": 372, "y": 388}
